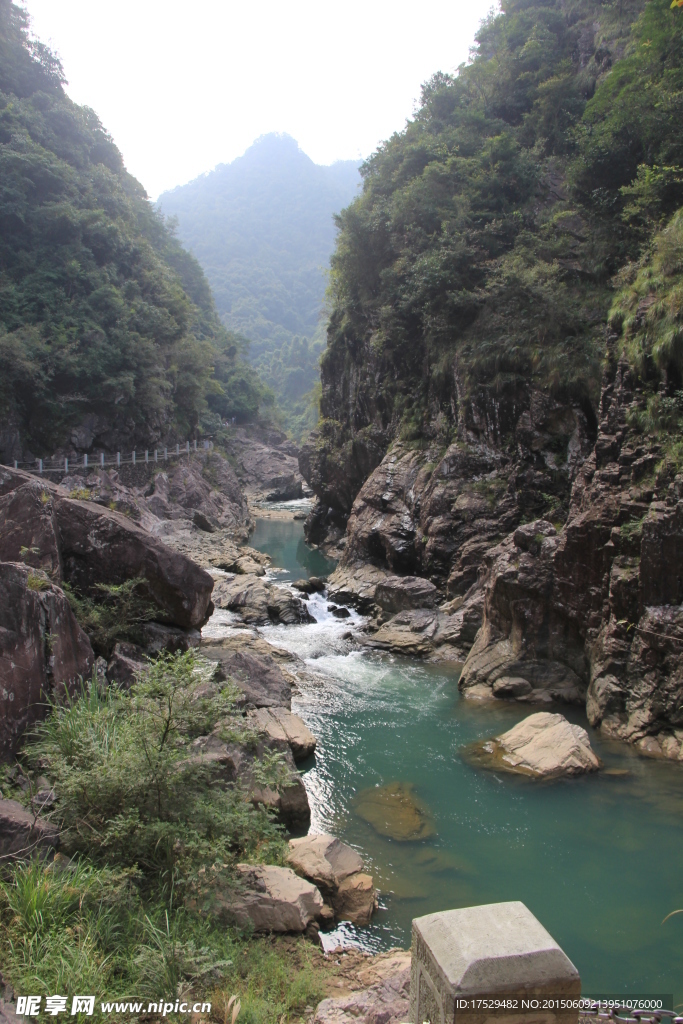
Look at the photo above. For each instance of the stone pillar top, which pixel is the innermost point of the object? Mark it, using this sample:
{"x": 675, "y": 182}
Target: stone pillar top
{"x": 496, "y": 948}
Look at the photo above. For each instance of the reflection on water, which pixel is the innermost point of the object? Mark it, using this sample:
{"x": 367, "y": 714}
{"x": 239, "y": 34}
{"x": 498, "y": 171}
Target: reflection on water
{"x": 597, "y": 858}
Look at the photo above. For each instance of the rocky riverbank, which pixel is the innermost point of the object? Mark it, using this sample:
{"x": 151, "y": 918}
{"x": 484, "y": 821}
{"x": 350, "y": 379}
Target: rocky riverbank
{"x": 554, "y": 547}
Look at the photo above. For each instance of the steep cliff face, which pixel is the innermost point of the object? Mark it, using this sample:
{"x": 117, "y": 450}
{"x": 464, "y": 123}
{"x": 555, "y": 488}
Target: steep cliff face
{"x": 435, "y": 510}
{"x": 599, "y": 604}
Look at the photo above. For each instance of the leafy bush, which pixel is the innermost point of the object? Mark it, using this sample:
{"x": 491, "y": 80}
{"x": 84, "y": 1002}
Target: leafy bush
{"x": 132, "y": 792}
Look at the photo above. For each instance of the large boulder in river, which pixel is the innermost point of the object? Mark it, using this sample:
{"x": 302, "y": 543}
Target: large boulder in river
{"x": 542, "y": 746}
{"x": 337, "y": 870}
{"x": 271, "y": 899}
{"x": 43, "y": 650}
{"x": 258, "y": 602}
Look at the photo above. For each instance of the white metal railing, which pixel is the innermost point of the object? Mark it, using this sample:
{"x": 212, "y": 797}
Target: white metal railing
{"x": 101, "y": 461}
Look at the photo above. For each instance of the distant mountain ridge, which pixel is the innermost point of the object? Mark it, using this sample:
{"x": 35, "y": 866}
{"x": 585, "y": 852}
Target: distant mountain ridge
{"x": 262, "y": 228}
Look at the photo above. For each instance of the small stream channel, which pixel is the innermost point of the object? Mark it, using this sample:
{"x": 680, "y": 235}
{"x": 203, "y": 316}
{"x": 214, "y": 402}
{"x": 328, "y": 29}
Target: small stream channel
{"x": 598, "y": 859}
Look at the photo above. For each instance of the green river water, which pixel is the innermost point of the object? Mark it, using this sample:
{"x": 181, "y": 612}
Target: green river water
{"x": 598, "y": 859}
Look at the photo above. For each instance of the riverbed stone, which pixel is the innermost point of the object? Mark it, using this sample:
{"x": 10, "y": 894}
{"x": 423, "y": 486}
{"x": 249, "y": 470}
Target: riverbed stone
{"x": 393, "y": 810}
{"x": 542, "y": 746}
{"x": 495, "y": 951}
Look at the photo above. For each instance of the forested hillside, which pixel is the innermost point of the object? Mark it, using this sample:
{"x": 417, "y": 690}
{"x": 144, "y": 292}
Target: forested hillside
{"x": 108, "y": 332}
{"x": 262, "y": 228}
{"x": 480, "y": 259}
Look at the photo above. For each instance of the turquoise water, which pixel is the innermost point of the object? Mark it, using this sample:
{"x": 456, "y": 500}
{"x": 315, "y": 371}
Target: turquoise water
{"x": 598, "y": 859}
{"x": 284, "y": 541}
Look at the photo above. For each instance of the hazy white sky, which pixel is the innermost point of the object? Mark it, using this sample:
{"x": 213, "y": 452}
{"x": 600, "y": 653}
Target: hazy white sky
{"x": 184, "y": 86}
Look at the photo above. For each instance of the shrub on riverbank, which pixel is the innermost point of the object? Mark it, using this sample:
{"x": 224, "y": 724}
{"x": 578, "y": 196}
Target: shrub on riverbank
{"x": 144, "y": 821}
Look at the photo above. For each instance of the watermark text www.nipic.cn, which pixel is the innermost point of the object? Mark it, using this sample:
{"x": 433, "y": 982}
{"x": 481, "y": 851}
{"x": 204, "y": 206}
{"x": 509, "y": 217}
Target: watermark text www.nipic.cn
{"x": 31, "y": 1006}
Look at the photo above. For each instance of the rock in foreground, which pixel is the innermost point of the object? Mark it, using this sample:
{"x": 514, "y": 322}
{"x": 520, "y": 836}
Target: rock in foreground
{"x": 282, "y": 726}
{"x": 543, "y": 746}
{"x": 274, "y": 899}
{"x": 385, "y": 1002}
{"x": 23, "y": 834}
{"x": 85, "y": 545}
{"x": 43, "y": 650}
{"x": 337, "y": 870}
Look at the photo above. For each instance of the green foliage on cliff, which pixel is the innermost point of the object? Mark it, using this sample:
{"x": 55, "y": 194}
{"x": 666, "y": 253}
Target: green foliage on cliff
{"x": 481, "y": 251}
{"x": 101, "y": 309}
{"x": 262, "y": 228}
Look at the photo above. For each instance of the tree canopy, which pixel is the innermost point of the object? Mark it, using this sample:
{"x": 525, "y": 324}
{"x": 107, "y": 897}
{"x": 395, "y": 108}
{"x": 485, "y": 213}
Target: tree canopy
{"x": 103, "y": 314}
{"x": 482, "y": 247}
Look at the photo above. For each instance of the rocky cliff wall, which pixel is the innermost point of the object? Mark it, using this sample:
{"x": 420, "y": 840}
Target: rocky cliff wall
{"x": 564, "y": 550}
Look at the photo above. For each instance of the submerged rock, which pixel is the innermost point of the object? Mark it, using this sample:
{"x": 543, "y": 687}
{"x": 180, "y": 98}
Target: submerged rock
{"x": 337, "y": 870}
{"x": 339, "y": 612}
{"x": 395, "y": 812}
{"x": 542, "y": 746}
{"x": 273, "y": 899}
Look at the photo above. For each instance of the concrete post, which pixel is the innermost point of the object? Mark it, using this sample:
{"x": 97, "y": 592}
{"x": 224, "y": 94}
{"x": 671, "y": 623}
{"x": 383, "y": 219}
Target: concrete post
{"x": 102, "y": 459}
{"x": 146, "y": 456}
{"x": 66, "y": 465}
{"x": 85, "y": 462}
{"x": 156, "y": 454}
{"x": 118, "y": 458}
{"x": 495, "y": 952}
{"x": 40, "y": 466}
{"x": 133, "y": 458}
{"x": 177, "y": 449}
{"x": 165, "y": 453}
{"x": 195, "y": 444}
{"x": 187, "y": 447}
{"x": 16, "y": 464}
